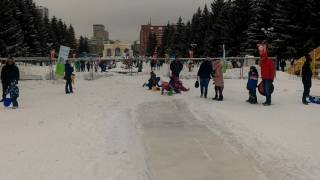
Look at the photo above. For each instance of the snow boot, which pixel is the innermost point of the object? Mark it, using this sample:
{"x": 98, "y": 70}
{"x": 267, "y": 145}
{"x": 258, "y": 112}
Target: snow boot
{"x": 266, "y": 104}
{"x": 215, "y": 98}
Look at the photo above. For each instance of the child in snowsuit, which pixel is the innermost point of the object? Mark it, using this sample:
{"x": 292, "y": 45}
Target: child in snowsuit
{"x": 252, "y": 84}
{"x": 153, "y": 81}
{"x": 13, "y": 91}
{"x": 173, "y": 85}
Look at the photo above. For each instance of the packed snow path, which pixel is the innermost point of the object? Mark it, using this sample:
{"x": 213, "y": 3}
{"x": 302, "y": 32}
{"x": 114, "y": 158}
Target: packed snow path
{"x": 179, "y": 147}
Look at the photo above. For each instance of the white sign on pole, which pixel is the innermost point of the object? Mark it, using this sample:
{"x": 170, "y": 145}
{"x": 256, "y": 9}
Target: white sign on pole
{"x": 63, "y": 54}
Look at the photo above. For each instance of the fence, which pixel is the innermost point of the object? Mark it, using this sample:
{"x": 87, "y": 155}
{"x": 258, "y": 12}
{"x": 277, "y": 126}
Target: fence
{"x": 234, "y": 67}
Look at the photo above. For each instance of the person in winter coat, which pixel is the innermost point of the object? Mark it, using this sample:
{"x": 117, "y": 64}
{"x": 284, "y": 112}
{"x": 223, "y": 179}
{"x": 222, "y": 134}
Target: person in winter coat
{"x": 252, "y": 84}
{"x": 267, "y": 75}
{"x": 153, "y": 64}
{"x": 218, "y": 80}
{"x": 78, "y": 66}
{"x": 176, "y": 67}
{"x": 9, "y": 74}
{"x": 306, "y": 79}
{"x": 205, "y": 72}
{"x": 283, "y": 64}
{"x": 88, "y": 66}
{"x": 68, "y": 71}
{"x": 153, "y": 81}
{"x": 82, "y": 66}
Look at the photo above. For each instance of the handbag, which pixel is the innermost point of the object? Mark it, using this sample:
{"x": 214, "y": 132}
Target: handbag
{"x": 196, "y": 84}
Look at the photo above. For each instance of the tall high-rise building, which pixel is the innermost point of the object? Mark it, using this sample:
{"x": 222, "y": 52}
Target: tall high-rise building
{"x": 100, "y": 37}
{"x": 144, "y": 36}
{"x": 43, "y": 11}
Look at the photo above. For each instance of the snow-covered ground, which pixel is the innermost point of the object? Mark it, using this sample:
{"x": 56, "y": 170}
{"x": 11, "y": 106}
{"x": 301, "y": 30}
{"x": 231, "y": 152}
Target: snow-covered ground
{"x": 97, "y": 133}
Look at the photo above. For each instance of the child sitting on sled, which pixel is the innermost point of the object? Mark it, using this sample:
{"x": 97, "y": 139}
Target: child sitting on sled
{"x": 174, "y": 85}
{"x": 153, "y": 81}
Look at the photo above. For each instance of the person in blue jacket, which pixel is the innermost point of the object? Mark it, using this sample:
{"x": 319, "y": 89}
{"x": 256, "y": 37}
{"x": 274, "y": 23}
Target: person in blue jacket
{"x": 68, "y": 71}
{"x": 252, "y": 85}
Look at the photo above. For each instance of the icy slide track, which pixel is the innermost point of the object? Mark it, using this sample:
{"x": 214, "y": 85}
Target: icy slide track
{"x": 179, "y": 147}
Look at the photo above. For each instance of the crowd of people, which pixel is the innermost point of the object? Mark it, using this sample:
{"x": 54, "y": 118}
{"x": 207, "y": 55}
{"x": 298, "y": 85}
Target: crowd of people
{"x": 208, "y": 70}
{"x": 212, "y": 70}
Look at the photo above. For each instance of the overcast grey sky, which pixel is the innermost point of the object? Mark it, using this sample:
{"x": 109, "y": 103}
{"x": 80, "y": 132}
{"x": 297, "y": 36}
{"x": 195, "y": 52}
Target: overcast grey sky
{"x": 122, "y": 18}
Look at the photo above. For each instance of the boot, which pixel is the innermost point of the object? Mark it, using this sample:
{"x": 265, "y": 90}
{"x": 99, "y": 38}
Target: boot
{"x": 15, "y": 105}
{"x": 254, "y": 101}
{"x": 266, "y": 104}
{"x": 220, "y": 98}
{"x": 215, "y": 98}
{"x": 304, "y": 100}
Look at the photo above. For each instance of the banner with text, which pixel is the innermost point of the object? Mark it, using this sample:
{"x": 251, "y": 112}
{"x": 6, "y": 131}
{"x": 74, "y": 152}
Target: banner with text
{"x": 63, "y": 56}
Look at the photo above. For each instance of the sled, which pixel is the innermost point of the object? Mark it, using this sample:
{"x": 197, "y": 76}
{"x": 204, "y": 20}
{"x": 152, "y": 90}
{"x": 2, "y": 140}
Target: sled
{"x": 314, "y": 99}
{"x": 261, "y": 89}
{"x": 7, "y": 102}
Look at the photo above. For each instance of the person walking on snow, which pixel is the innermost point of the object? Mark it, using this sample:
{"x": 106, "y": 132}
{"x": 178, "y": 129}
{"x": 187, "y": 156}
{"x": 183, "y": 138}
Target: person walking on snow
{"x": 88, "y": 66}
{"x": 9, "y": 74}
{"x": 176, "y": 67}
{"x": 267, "y": 75}
{"x": 67, "y": 75}
{"x": 218, "y": 80}
{"x": 252, "y": 84}
{"x": 205, "y": 72}
{"x": 306, "y": 79}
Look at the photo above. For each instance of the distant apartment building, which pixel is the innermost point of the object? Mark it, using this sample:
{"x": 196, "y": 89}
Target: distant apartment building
{"x": 136, "y": 48}
{"x": 43, "y": 11}
{"x": 100, "y": 37}
{"x": 144, "y": 36}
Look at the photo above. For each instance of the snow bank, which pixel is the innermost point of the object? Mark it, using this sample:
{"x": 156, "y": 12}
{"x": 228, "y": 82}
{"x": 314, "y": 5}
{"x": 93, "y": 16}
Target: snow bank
{"x": 282, "y": 138}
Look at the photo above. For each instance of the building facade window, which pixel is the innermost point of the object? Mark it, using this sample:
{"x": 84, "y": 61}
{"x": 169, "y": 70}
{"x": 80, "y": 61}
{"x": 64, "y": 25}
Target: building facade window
{"x": 109, "y": 52}
{"x": 118, "y": 52}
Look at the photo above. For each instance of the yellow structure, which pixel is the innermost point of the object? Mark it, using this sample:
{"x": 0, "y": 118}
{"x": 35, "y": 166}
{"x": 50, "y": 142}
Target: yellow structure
{"x": 117, "y": 50}
{"x": 315, "y": 65}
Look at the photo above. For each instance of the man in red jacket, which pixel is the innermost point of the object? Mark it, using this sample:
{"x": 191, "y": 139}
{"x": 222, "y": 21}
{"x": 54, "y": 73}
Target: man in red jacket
{"x": 267, "y": 75}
